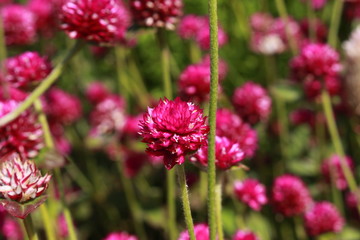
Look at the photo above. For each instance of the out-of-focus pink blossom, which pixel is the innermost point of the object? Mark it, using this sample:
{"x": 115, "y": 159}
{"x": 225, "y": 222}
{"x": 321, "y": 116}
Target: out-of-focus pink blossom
{"x": 251, "y": 192}
{"x": 11, "y": 229}
{"x": 96, "y": 92}
{"x": 333, "y": 164}
{"x": 201, "y": 232}
{"x": 244, "y": 235}
{"x": 120, "y": 236}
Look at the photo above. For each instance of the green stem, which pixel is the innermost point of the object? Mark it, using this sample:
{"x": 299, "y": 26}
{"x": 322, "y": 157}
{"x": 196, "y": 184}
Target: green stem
{"x": 123, "y": 81}
{"x": 203, "y": 187}
{"x": 195, "y": 52}
{"x": 3, "y": 52}
{"x": 170, "y": 197}
{"x": 185, "y": 201}
{"x": 214, "y": 74}
{"x": 299, "y": 228}
{"x": 44, "y": 124}
{"x": 165, "y": 62}
{"x": 335, "y": 22}
{"x": 311, "y": 21}
{"x": 48, "y": 222}
{"x": 132, "y": 201}
{"x": 218, "y": 189}
{"x": 335, "y": 137}
{"x": 29, "y": 227}
{"x": 44, "y": 85}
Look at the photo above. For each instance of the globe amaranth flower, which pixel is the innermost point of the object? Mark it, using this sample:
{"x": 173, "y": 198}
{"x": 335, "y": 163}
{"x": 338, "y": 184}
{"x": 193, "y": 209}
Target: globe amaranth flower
{"x": 290, "y": 196}
{"x": 19, "y": 24}
{"x": 227, "y": 154}
{"x": 252, "y": 102}
{"x": 317, "y": 67}
{"x": 173, "y": 129}
{"x": 333, "y": 164}
{"x": 251, "y": 192}
{"x": 101, "y": 21}
{"x": 20, "y": 180}
{"x": 120, "y": 236}
{"x": 201, "y": 231}
{"x": 323, "y": 217}
{"x": 22, "y": 135}
{"x": 156, "y": 13}
{"x": 27, "y": 69}
{"x": 244, "y": 235}
{"x": 231, "y": 126}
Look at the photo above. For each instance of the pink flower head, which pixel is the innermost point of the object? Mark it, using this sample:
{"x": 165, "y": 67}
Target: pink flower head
{"x": 227, "y": 154}
{"x": 173, "y": 129}
{"x": 157, "y": 13}
{"x": 19, "y": 24}
{"x": 201, "y": 230}
{"x": 131, "y": 128}
{"x": 101, "y": 21}
{"x": 134, "y": 161}
{"x": 120, "y": 236}
{"x": 27, "y": 69}
{"x": 96, "y": 92}
{"x": 190, "y": 25}
{"x": 323, "y": 217}
{"x": 251, "y": 192}
{"x": 230, "y": 125}
{"x": 317, "y": 66}
{"x": 260, "y": 21}
{"x": 22, "y": 135}
{"x": 61, "y": 106}
{"x": 11, "y": 229}
{"x": 303, "y": 116}
{"x": 316, "y": 4}
{"x": 244, "y": 235}
{"x": 203, "y": 36}
{"x": 290, "y": 196}
{"x": 334, "y": 162}
{"x": 5, "y": 2}
{"x": 252, "y": 102}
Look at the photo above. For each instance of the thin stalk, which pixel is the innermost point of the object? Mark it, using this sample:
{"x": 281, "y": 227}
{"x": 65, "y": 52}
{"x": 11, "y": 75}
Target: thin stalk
{"x": 124, "y": 87}
{"x": 311, "y": 21}
{"x": 214, "y": 74}
{"x": 48, "y": 223}
{"x": 132, "y": 201}
{"x": 218, "y": 189}
{"x": 195, "y": 52}
{"x": 29, "y": 227}
{"x": 185, "y": 201}
{"x": 170, "y": 175}
{"x": 335, "y": 22}
{"x": 44, "y": 85}
{"x": 3, "y": 52}
{"x": 335, "y": 137}
{"x": 299, "y": 228}
{"x": 203, "y": 187}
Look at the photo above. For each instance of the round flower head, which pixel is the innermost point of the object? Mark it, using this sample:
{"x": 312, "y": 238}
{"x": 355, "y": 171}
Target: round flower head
{"x": 156, "y": 13}
{"x": 22, "y": 135}
{"x": 173, "y": 129}
{"x": 100, "y": 21}
{"x": 323, "y": 217}
{"x": 333, "y": 162}
{"x": 230, "y": 125}
{"x": 11, "y": 229}
{"x": 27, "y": 69}
{"x": 252, "y": 102}
{"x": 20, "y": 180}
{"x": 120, "y": 236}
{"x": 96, "y": 92}
{"x": 19, "y": 25}
{"x": 290, "y": 196}
{"x": 251, "y": 192}
{"x": 244, "y": 235}
{"x": 190, "y": 25}
{"x": 201, "y": 232}
{"x": 227, "y": 154}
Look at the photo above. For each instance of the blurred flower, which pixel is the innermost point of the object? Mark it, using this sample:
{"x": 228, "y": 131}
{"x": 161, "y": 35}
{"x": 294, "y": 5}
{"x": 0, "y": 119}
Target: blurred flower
{"x": 62, "y": 226}
{"x": 11, "y": 229}
{"x": 173, "y": 129}
{"x": 27, "y": 69}
{"x": 22, "y": 135}
{"x": 203, "y": 37}
{"x": 96, "y": 92}
{"x": 155, "y": 13}
{"x": 252, "y": 102}
{"x": 352, "y": 9}
{"x": 290, "y": 196}
{"x": 320, "y": 28}
{"x": 190, "y": 25}
{"x": 333, "y": 164}
{"x": 227, "y": 154}
{"x": 321, "y": 218}
{"x": 20, "y": 180}
{"x": 5, "y": 2}
{"x": 303, "y": 116}
{"x": 120, "y": 236}
{"x": 316, "y": 4}
{"x": 223, "y": 67}
{"x": 230, "y": 125}
{"x": 244, "y": 235}
{"x": 201, "y": 232}
{"x": 62, "y": 144}
{"x": 19, "y": 24}
{"x": 134, "y": 161}
{"x": 251, "y": 192}
{"x": 131, "y": 128}
{"x": 101, "y": 21}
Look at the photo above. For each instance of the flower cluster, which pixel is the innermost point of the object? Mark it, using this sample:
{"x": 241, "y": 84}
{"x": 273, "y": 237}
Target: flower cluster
{"x": 251, "y": 192}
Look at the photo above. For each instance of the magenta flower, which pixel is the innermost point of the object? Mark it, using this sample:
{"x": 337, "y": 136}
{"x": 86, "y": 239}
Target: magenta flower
{"x": 303, "y": 116}
{"x": 101, "y": 21}
{"x": 11, "y": 229}
{"x": 201, "y": 232}
{"x": 120, "y": 236}
{"x": 96, "y": 92}
{"x": 227, "y": 154}
{"x": 27, "y": 69}
{"x": 173, "y": 129}
{"x": 62, "y": 226}
{"x": 323, "y": 217}
{"x": 334, "y": 162}
{"x": 316, "y": 4}
{"x": 131, "y": 128}
{"x": 190, "y": 25}
{"x": 244, "y": 235}
{"x": 156, "y": 13}
{"x": 321, "y": 30}
{"x": 19, "y": 24}
{"x": 203, "y": 37}
{"x": 22, "y": 135}
{"x": 230, "y": 125}
{"x": 251, "y": 192}
{"x": 252, "y": 102}
{"x": 290, "y": 196}
{"x": 134, "y": 161}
